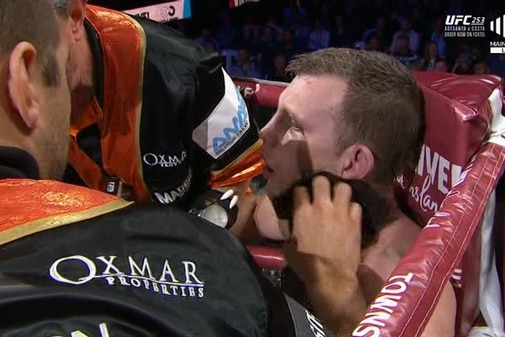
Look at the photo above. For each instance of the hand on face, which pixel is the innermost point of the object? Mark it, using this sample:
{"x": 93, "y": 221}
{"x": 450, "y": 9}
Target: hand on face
{"x": 326, "y": 234}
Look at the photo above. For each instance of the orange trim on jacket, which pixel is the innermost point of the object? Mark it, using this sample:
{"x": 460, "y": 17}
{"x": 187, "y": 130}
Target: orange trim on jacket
{"x": 119, "y": 120}
{"x": 31, "y": 206}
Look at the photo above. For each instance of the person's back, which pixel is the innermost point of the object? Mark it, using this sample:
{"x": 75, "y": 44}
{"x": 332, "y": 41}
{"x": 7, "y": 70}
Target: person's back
{"x": 139, "y": 272}
{"x": 82, "y": 260}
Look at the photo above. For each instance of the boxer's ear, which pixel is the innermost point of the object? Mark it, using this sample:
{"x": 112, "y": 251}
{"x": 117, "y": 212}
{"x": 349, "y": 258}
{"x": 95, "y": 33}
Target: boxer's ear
{"x": 357, "y": 162}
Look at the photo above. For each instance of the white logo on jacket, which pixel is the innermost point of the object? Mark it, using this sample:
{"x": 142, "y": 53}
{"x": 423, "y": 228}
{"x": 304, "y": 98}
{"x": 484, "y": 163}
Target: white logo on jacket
{"x": 166, "y": 198}
{"x": 170, "y": 278}
{"x": 164, "y": 160}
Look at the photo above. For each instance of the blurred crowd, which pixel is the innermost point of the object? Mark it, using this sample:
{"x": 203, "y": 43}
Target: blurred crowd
{"x": 258, "y": 39}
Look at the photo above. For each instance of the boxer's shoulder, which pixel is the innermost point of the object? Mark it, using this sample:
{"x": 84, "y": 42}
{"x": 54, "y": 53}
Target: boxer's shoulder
{"x": 379, "y": 260}
{"x": 400, "y": 234}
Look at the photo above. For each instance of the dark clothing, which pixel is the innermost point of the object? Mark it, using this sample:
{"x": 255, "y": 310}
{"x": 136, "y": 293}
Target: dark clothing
{"x": 124, "y": 271}
{"x": 165, "y": 116}
{"x": 15, "y": 163}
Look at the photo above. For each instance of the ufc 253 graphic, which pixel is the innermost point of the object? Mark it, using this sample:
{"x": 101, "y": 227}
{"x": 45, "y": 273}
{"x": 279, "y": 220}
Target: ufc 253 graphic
{"x": 468, "y": 26}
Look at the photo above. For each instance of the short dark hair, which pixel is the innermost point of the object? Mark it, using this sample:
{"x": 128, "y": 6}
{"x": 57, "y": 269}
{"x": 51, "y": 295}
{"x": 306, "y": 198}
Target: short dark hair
{"x": 42, "y": 32}
{"x": 382, "y": 108}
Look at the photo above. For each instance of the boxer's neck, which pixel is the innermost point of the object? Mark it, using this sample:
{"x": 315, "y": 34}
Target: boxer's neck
{"x": 388, "y": 193}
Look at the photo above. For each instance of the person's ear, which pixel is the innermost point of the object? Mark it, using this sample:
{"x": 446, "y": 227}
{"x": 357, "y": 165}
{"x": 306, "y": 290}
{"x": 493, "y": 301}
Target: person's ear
{"x": 357, "y": 162}
{"x": 21, "y": 83}
{"x": 77, "y": 14}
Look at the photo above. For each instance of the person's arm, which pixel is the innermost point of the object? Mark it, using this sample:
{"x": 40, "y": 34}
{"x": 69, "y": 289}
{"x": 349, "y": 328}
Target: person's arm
{"x": 443, "y": 319}
{"x": 325, "y": 252}
{"x": 382, "y": 265}
{"x": 337, "y": 300}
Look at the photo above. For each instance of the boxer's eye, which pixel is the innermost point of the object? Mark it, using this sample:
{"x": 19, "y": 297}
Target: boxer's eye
{"x": 296, "y": 128}
{"x": 294, "y": 124}
{"x": 292, "y": 134}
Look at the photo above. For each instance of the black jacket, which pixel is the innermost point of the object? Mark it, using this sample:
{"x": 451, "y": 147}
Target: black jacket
{"x": 150, "y": 271}
{"x": 193, "y": 120}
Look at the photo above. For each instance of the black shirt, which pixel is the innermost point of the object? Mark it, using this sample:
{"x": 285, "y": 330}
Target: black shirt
{"x": 150, "y": 271}
{"x": 16, "y": 163}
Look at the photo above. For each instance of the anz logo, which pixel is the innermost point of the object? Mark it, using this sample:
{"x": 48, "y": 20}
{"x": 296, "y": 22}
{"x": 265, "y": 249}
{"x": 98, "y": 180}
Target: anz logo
{"x": 240, "y": 124}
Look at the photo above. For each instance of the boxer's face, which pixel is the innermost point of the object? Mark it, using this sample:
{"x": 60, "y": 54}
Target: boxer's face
{"x": 301, "y": 134}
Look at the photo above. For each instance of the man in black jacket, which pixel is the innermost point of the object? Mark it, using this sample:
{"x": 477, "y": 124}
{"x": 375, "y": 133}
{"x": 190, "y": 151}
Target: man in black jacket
{"x": 152, "y": 111}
